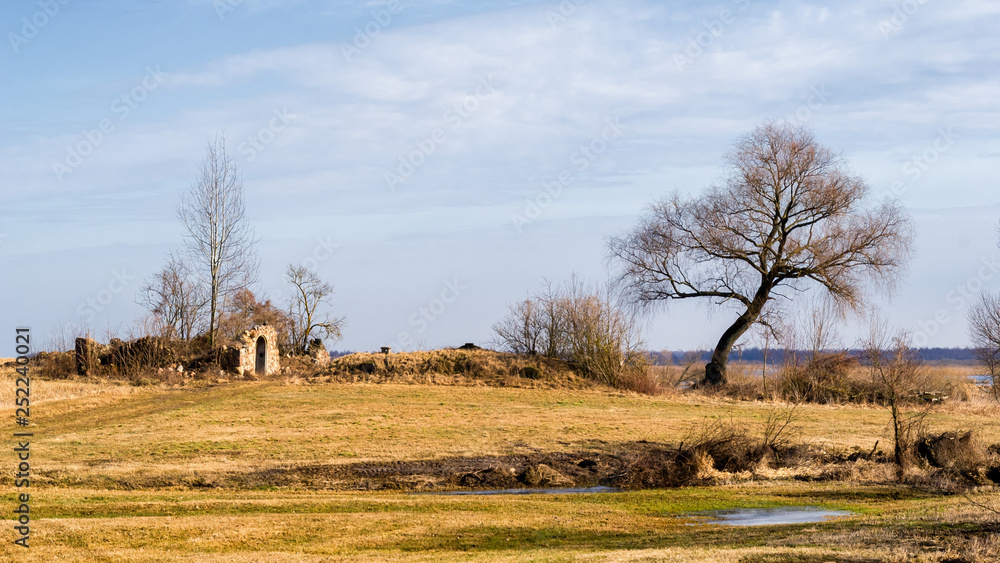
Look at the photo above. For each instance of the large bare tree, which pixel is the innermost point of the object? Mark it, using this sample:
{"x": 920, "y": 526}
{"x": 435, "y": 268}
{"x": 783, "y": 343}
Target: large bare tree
{"x": 218, "y": 239}
{"x": 176, "y": 302}
{"x": 789, "y": 213}
{"x": 308, "y": 294}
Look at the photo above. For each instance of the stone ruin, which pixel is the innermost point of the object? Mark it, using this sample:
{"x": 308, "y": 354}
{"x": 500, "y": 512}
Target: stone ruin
{"x": 128, "y": 356}
{"x": 317, "y": 351}
{"x": 253, "y": 353}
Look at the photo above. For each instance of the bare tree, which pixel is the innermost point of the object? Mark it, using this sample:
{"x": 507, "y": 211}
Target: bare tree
{"x": 767, "y": 332}
{"x": 984, "y": 324}
{"x": 898, "y": 374}
{"x": 521, "y": 330}
{"x": 552, "y": 318}
{"x": 243, "y": 310}
{"x": 176, "y": 302}
{"x": 788, "y": 213}
{"x": 218, "y": 239}
{"x": 309, "y": 293}
{"x": 819, "y": 330}
{"x": 578, "y": 324}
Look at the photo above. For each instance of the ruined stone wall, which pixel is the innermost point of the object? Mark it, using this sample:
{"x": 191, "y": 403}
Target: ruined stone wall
{"x": 241, "y": 356}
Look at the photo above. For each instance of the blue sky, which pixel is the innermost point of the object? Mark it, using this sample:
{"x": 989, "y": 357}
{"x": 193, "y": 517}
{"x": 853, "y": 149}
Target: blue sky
{"x": 410, "y": 150}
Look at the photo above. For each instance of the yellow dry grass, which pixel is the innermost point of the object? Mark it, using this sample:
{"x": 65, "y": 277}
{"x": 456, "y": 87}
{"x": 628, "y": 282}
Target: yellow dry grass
{"x": 96, "y": 440}
{"x": 43, "y": 391}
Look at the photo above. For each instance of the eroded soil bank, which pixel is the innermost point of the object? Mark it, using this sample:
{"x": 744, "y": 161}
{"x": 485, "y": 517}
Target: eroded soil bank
{"x": 631, "y": 465}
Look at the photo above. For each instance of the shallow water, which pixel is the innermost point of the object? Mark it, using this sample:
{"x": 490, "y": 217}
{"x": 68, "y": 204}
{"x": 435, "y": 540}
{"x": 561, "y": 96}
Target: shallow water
{"x": 981, "y": 379}
{"x": 584, "y": 490}
{"x": 770, "y": 516}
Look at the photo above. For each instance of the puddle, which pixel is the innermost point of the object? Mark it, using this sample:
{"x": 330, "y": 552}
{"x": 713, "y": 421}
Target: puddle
{"x": 584, "y": 490}
{"x": 769, "y": 516}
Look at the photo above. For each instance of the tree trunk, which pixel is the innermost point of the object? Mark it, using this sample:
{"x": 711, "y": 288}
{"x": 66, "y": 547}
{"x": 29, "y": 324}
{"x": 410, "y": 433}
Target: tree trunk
{"x": 715, "y": 370}
{"x": 211, "y": 316}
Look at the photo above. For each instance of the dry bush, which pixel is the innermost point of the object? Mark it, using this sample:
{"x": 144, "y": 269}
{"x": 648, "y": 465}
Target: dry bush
{"x": 742, "y": 383}
{"x": 957, "y": 460}
{"x": 951, "y": 450}
{"x": 301, "y": 366}
{"x": 645, "y": 381}
{"x": 949, "y": 383}
{"x": 713, "y": 450}
{"x": 826, "y": 378}
{"x": 583, "y": 326}
{"x": 54, "y": 365}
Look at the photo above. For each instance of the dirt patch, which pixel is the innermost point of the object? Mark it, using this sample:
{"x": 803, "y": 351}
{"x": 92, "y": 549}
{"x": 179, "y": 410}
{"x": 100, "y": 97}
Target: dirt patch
{"x": 584, "y": 469}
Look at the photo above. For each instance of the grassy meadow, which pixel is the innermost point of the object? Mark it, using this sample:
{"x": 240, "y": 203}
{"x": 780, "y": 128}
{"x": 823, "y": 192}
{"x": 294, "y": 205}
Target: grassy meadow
{"x": 304, "y": 469}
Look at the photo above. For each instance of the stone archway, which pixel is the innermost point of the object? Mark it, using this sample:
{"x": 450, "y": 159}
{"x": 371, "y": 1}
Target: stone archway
{"x": 254, "y": 353}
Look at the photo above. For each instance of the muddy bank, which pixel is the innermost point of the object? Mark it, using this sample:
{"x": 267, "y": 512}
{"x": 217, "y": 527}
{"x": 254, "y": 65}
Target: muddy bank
{"x": 632, "y": 465}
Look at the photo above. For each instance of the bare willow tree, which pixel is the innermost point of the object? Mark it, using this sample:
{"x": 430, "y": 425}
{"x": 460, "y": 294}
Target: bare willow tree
{"x": 789, "y": 213}
{"x": 218, "y": 239}
{"x": 984, "y": 324}
{"x": 309, "y": 293}
{"x": 176, "y": 301}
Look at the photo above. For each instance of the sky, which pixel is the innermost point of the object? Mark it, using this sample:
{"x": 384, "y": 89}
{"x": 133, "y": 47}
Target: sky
{"x": 436, "y": 161}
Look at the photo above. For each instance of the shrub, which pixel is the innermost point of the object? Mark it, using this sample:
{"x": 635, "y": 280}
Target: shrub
{"x": 717, "y": 447}
{"x": 826, "y": 378}
{"x": 582, "y": 326}
{"x": 951, "y": 450}
{"x": 55, "y": 365}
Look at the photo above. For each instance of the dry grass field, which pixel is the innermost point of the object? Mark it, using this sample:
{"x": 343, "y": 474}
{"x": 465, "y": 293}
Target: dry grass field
{"x": 314, "y": 468}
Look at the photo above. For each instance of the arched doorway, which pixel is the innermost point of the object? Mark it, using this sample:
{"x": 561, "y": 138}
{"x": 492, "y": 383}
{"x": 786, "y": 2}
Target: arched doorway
{"x": 261, "y": 355}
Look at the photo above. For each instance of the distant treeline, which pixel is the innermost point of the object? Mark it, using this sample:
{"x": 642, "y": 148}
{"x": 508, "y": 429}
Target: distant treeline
{"x": 666, "y": 357}
{"x": 778, "y": 355}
